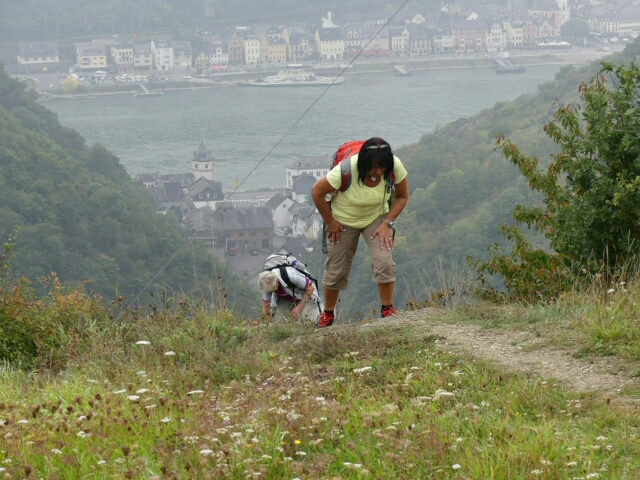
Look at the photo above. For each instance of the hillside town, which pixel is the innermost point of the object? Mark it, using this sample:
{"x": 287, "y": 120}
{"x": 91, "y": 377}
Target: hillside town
{"x": 456, "y": 29}
{"x": 242, "y": 227}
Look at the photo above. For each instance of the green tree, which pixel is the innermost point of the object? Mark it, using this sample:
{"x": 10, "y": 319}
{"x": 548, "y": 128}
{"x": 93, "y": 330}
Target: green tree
{"x": 591, "y": 190}
{"x": 575, "y": 30}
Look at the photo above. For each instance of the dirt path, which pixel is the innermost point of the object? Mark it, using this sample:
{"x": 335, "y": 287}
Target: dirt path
{"x": 527, "y": 352}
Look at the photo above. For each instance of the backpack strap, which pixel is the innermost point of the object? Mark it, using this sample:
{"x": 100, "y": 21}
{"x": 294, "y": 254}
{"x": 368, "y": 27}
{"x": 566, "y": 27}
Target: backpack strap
{"x": 345, "y": 171}
{"x": 285, "y": 277}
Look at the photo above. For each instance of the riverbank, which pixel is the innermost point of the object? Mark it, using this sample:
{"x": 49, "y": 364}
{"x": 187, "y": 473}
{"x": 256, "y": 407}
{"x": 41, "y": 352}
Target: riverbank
{"x": 574, "y": 56}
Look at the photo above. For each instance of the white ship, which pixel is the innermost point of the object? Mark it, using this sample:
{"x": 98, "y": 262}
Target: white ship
{"x": 295, "y": 77}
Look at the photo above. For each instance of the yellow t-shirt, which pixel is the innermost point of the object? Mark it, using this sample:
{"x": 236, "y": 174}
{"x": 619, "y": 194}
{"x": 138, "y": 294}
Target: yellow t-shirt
{"x": 359, "y": 205}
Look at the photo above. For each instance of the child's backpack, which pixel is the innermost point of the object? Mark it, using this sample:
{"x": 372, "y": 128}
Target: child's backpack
{"x": 345, "y": 152}
{"x": 282, "y": 260}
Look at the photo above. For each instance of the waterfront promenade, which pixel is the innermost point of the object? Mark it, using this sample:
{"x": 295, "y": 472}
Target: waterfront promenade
{"x": 51, "y": 84}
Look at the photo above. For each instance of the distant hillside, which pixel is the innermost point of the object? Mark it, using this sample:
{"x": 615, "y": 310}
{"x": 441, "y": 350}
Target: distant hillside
{"x": 78, "y": 213}
{"x": 63, "y": 20}
{"x": 462, "y": 189}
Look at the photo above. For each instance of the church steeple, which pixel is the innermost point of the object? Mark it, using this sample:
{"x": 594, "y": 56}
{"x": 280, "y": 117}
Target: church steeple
{"x": 202, "y": 163}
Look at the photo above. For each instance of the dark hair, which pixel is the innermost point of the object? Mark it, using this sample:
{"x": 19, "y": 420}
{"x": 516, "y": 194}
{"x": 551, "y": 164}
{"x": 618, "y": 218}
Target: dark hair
{"x": 369, "y": 158}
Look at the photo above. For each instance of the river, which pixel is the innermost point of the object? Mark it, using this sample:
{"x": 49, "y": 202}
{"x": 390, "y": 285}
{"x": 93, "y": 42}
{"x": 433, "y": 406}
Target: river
{"x": 253, "y": 133}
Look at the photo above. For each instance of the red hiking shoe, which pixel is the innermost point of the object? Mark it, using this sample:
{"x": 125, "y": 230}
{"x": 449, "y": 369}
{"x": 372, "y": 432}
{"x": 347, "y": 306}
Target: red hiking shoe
{"x": 388, "y": 311}
{"x": 326, "y": 320}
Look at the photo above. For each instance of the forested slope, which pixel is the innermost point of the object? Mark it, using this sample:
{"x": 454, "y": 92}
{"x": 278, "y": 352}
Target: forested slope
{"x": 66, "y": 20}
{"x": 78, "y": 213}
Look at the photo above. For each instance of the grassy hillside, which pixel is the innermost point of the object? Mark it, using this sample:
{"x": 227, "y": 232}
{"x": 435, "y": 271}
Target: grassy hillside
{"x": 193, "y": 393}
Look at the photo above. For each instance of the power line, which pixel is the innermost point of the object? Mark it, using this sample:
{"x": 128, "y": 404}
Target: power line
{"x": 281, "y": 139}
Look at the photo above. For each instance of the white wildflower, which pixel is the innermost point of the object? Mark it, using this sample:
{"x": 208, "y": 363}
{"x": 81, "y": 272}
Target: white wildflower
{"x": 195, "y": 392}
{"x": 456, "y": 466}
{"x": 143, "y": 342}
{"x": 536, "y": 472}
{"x": 442, "y": 394}
{"x": 206, "y": 452}
{"x": 362, "y": 370}
{"x": 593, "y": 475}
{"x": 601, "y": 438}
{"x": 133, "y": 398}
{"x": 170, "y": 353}
{"x": 166, "y": 420}
{"x": 142, "y": 390}
{"x": 56, "y": 451}
{"x": 611, "y": 290}
{"x": 118, "y": 392}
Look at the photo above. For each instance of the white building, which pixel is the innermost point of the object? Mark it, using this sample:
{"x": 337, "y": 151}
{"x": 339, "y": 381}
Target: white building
{"x": 317, "y": 166}
{"x": 162, "y": 49}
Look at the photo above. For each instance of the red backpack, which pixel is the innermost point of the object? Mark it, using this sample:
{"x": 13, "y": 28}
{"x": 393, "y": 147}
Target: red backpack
{"x": 345, "y": 152}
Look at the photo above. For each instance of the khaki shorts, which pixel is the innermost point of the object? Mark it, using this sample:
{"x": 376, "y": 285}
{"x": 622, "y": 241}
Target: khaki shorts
{"x": 340, "y": 258}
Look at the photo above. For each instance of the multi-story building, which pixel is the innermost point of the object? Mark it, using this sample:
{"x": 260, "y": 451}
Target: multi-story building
{"x": 329, "y": 44}
{"x": 182, "y": 55}
{"x": 496, "y": 37}
{"x": 352, "y": 40}
{"x": 142, "y": 56}
{"x": 420, "y": 39}
{"x": 399, "y": 41}
{"x": 235, "y": 48}
{"x": 122, "y": 57}
{"x": 375, "y": 41}
{"x": 273, "y": 50}
{"x": 90, "y": 57}
{"x": 514, "y": 35}
{"x": 469, "y": 35}
{"x": 163, "y": 56}
{"x": 42, "y": 56}
{"x": 317, "y": 166}
{"x": 251, "y": 50}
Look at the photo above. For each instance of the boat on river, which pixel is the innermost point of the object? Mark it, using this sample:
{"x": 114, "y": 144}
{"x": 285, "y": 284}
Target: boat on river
{"x": 401, "y": 71}
{"x": 294, "y": 77}
{"x": 146, "y": 93}
{"x": 505, "y": 66}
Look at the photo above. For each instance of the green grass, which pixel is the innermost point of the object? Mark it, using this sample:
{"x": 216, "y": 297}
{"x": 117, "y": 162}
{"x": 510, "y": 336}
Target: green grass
{"x": 210, "y": 396}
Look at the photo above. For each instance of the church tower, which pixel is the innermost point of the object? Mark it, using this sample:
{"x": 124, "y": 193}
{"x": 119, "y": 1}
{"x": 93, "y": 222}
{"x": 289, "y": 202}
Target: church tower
{"x": 202, "y": 163}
